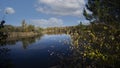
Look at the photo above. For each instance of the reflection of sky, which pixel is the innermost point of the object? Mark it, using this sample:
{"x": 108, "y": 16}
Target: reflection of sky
{"x": 42, "y": 52}
{"x": 50, "y": 41}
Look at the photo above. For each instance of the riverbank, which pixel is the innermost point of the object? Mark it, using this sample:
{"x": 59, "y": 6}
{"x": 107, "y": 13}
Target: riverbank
{"x": 22, "y": 34}
{"x": 15, "y": 35}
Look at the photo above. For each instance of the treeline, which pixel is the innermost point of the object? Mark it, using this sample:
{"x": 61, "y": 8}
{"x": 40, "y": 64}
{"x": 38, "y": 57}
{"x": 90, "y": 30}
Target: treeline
{"x": 23, "y": 28}
{"x": 58, "y": 29}
{"x": 67, "y": 30}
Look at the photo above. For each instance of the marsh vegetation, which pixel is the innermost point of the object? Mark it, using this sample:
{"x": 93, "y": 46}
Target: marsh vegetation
{"x": 82, "y": 46}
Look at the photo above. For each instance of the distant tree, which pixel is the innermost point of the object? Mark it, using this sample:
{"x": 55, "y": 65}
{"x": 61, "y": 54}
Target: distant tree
{"x": 2, "y": 24}
{"x": 31, "y": 28}
{"x": 18, "y": 29}
{"x": 8, "y": 28}
{"x": 24, "y": 25}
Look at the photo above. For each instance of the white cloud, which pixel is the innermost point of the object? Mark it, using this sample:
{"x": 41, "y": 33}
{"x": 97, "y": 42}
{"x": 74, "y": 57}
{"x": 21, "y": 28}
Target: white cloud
{"x": 51, "y": 22}
{"x": 61, "y": 7}
{"x": 9, "y": 10}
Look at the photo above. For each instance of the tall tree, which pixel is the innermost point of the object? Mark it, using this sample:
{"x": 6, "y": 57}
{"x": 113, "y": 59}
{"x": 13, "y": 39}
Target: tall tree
{"x": 103, "y": 11}
{"x": 24, "y": 25}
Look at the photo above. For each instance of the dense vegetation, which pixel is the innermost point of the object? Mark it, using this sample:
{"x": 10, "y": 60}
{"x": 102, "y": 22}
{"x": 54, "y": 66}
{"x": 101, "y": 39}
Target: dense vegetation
{"x": 97, "y": 44}
{"x": 103, "y": 11}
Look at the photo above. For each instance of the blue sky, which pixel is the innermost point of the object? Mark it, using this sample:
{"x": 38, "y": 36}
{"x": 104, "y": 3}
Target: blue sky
{"x": 43, "y": 13}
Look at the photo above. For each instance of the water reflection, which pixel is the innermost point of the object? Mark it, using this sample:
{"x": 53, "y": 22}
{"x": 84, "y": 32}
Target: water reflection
{"x": 56, "y": 51}
{"x": 40, "y": 51}
{"x": 5, "y": 59}
{"x": 27, "y": 41}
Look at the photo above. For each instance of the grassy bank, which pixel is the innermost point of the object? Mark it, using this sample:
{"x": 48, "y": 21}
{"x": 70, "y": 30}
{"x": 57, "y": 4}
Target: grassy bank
{"x": 22, "y": 34}
{"x": 19, "y": 35}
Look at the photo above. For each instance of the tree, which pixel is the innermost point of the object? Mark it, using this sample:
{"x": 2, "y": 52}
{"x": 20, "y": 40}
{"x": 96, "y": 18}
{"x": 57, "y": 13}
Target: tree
{"x": 31, "y": 28}
{"x": 103, "y": 11}
{"x": 2, "y": 24}
{"x": 3, "y": 35}
{"x": 24, "y": 26}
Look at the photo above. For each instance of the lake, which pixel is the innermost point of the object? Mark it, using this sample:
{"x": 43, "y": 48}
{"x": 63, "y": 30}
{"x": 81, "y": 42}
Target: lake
{"x": 39, "y": 52}
{"x": 56, "y": 51}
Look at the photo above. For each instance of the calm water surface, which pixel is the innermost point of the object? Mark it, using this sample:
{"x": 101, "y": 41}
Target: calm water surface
{"x": 40, "y": 52}
{"x": 56, "y": 51}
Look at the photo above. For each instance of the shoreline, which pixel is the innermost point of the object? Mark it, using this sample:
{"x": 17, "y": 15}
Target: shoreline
{"x": 19, "y": 35}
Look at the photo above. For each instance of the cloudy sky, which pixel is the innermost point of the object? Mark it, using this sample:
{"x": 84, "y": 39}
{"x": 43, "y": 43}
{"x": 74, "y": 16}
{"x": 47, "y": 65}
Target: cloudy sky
{"x": 44, "y": 13}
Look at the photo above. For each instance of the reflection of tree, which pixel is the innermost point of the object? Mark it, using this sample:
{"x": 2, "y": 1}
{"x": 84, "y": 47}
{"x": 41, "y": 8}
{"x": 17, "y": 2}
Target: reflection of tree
{"x": 25, "y": 41}
{"x": 29, "y": 40}
{"x": 5, "y": 62}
